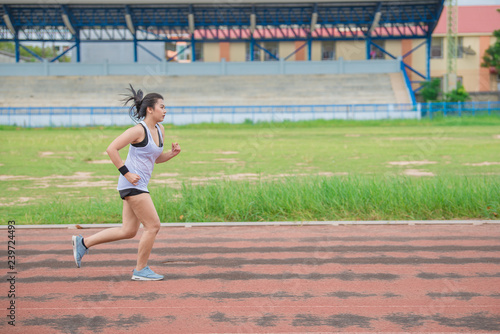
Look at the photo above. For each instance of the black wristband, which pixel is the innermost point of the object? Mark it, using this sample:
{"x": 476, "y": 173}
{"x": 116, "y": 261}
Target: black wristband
{"x": 123, "y": 170}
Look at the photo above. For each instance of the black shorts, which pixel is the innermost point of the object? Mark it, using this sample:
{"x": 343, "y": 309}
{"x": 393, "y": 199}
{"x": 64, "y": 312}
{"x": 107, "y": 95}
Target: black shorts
{"x": 131, "y": 192}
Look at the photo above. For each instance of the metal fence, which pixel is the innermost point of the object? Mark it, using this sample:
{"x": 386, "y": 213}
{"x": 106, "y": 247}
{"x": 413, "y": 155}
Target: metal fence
{"x": 460, "y": 108}
{"x": 110, "y": 116}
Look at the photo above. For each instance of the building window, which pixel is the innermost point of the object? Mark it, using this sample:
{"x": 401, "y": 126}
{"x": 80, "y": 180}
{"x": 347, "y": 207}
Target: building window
{"x": 376, "y": 53}
{"x": 437, "y": 48}
{"x": 328, "y": 50}
{"x": 198, "y": 51}
{"x": 182, "y": 52}
{"x": 460, "y": 47}
{"x": 272, "y": 50}
{"x": 256, "y": 52}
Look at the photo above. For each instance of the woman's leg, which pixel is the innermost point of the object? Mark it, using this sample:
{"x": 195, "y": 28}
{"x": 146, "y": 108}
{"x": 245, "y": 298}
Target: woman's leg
{"x": 144, "y": 209}
{"x": 128, "y": 230}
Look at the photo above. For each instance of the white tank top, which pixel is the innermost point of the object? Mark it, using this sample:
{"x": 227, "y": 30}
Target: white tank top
{"x": 141, "y": 160}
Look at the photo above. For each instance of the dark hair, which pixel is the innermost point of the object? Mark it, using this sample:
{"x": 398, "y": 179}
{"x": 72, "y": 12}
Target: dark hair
{"x": 140, "y": 105}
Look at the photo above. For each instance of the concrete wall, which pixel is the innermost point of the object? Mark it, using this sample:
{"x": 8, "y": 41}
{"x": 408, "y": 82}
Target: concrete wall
{"x": 351, "y": 50}
{"x": 211, "y": 52}
{"x": 394, "y": 48}
{"x": 316, "y": 51}
{"x": 202, "y": 68}
{"x": 286, "y": 48}
{"x": 485, "y": 96}
{"x": 237, "y": 51}
{"x": 417, "y": 59}
{"x": 119, "y": 53}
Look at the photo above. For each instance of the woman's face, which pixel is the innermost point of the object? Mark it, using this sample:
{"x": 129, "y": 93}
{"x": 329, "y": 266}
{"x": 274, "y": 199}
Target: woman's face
{"x": 158, "y": 113}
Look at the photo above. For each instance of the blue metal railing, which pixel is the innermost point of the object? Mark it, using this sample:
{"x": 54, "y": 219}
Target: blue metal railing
{"x": 109, "y": 116}
{"x": 92, "y": 116}
{"x": 460, "y": 108}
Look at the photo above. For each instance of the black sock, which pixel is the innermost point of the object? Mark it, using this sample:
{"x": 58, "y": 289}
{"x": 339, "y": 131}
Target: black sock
{"x": 83, "y": 243}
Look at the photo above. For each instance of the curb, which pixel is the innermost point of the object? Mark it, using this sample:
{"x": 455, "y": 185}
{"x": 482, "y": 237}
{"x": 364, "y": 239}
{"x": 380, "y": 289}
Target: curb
{"x": 299, "y": 223}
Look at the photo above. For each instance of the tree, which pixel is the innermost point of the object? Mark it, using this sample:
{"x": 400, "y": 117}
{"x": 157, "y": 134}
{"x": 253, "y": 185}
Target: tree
{"x": 491, "y": 57}
{"x": 44, "y": 52}
{"x": 457, "y": 95}
{"x": 431, "y": 90}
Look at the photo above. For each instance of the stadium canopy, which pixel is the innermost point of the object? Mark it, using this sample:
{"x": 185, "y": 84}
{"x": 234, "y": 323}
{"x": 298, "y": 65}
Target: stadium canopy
{"x": 195, "y": 21}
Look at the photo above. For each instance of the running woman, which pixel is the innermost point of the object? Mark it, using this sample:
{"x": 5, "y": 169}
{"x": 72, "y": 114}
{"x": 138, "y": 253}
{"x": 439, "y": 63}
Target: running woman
{"x": 146, "y": 149}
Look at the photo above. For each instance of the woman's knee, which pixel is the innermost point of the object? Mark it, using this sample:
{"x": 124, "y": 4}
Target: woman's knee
{"x": 153, "y": 227}
{"x": 129, "y": 233}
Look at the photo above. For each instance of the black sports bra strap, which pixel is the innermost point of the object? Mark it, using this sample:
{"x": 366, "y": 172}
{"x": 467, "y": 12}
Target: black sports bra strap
{"x": 160, "y": 139}
{"x": 145, "y": 141}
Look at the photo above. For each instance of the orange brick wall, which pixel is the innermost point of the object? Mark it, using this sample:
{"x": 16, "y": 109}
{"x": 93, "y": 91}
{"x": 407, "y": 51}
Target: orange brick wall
{"x": 484, "y": 73}
{"x": 407, "y": 46}
{"x": 301, "y": 54}
{"x": 224, "y": 51}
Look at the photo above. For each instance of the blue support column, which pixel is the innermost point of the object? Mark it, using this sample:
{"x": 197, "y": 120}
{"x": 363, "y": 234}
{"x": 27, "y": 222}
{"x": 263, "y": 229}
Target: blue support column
{"x": 429, "y": 43}
{"x": 368, "y": 47}
{"x": 252, "y": 46}
{"x": 17, "y": 44}
{"x": 193, "y": 51}
{"x": 10, "y": 25}
{"x": 77, "y": 43}
{"x": 135, "y": 49}
{"x": 309, "y": 48}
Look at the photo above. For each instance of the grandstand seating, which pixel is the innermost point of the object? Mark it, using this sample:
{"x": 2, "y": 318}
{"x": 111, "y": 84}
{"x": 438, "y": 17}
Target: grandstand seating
{"x": 52, "y": 91}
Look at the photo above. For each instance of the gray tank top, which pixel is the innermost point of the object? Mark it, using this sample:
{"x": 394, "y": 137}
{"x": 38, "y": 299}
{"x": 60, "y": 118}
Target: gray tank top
{"x": 141, "y": 160}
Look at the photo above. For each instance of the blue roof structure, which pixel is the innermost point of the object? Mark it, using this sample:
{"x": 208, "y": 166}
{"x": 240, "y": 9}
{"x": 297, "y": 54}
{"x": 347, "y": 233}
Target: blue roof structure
{"x": 217, "y": 21}
{"x": 196, "y": 21}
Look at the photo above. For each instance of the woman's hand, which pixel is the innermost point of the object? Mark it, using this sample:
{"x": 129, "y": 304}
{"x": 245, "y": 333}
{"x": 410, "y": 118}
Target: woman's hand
{"x": 176, "y": 149}
{"x": 166, "y": 156}
{"x": 132, "y": 178}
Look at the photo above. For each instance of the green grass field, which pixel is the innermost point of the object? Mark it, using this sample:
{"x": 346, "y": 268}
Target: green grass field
{"x": 446, "y": 168}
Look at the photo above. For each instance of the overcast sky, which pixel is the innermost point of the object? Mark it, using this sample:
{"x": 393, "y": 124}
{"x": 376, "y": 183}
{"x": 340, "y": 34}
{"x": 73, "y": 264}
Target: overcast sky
{"x": 478, "y": 2}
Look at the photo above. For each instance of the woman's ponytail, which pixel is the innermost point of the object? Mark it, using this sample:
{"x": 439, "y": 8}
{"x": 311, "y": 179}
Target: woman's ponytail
{"x": 140, "y": 105}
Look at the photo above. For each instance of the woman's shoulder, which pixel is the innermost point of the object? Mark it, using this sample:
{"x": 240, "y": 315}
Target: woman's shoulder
{"x": 135, "y": 133}
{"x": 138, "y": 128}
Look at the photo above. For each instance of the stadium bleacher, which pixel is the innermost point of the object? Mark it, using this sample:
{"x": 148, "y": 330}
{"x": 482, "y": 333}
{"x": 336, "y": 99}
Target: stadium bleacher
{"x": 67, "y": 91}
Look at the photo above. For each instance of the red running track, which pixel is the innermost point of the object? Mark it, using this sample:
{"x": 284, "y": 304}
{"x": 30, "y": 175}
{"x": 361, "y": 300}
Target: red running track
{"x": 276, "y": 279}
